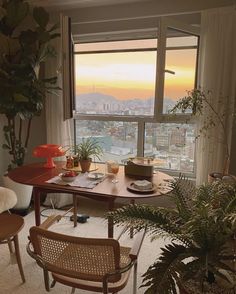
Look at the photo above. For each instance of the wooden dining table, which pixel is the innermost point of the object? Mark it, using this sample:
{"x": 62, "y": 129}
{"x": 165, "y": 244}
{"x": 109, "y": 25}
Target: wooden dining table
{"x": 37, "y": 175}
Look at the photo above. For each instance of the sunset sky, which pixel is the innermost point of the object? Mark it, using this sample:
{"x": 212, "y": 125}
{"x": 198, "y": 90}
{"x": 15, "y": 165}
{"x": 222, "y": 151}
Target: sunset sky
{"x": 130, "y": 75}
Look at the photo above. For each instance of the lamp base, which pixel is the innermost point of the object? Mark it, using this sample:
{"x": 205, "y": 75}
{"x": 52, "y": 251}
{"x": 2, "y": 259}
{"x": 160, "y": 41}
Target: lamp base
{"x": 49, "y": 163}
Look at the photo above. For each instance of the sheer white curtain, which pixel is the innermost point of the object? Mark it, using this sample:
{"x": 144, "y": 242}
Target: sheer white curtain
{"x": 58, "y": 131}
{"x": 217, "y": 74}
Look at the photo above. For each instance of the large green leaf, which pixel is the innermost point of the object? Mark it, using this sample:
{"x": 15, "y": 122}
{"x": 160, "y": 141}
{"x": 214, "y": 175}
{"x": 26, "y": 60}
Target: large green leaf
{"x": 28, "y": 37}
{"x": 41, "y": 16}
{"x": 16, "y": 13}
{"x": 20, "y": 98}
{"x": 2, "y": 12}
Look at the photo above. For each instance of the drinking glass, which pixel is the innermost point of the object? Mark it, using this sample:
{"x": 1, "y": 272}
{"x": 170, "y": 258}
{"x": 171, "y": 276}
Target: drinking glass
{"x": 114, "y": 169}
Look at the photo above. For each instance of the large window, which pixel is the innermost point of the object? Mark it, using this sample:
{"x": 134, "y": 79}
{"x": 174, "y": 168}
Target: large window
{"x": 124, "y": 90}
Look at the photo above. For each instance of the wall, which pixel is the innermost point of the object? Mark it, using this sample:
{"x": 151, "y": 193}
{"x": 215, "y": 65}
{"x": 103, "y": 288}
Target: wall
{"x": 38, "y": 136}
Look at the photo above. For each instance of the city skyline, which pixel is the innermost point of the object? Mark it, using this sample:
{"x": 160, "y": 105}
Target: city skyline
{"x": 132, "y": 74}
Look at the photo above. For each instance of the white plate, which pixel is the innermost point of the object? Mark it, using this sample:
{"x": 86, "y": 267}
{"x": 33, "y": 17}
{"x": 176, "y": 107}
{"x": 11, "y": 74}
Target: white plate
{"x": 95, "y": 176}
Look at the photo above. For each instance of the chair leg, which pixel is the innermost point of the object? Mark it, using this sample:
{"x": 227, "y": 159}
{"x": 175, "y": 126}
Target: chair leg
{"x": 72, "y": 290}
{"x": 10, "y": 245}
{"x": 46, "y": 279}
{"x": 135, "y": 277}
{"x": 53, "y": 284}
{"x": 17, "y": 250}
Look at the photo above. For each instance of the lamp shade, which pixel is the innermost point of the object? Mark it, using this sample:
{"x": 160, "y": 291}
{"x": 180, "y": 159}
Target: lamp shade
{"x": 48, "y": 151}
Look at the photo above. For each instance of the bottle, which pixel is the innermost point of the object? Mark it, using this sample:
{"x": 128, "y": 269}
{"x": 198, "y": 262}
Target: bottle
{"x": 76, "y": 160}
{"x": 69, "y": 161}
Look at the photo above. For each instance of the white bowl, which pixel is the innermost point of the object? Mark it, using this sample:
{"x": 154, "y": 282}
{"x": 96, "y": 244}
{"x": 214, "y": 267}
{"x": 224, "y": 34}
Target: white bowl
{"x": 67, "y": 179}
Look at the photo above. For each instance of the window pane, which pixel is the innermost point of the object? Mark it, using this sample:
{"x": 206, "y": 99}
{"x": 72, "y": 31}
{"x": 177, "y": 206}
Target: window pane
{"x": 183, "y": 64}
{"x": 172, "y": 144}
{"x": 177, "y": 38}
{"x": 117, "y": 45}
{"x": 117, "y": 139}
{"x": 116, "y": 83}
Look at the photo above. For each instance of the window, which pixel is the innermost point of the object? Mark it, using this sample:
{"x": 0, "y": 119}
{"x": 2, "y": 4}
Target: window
{"x": 124, "y": 90}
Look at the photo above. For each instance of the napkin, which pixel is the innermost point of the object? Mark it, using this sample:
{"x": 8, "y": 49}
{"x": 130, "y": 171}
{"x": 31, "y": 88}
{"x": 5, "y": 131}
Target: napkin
{"x": 82, "y": 181}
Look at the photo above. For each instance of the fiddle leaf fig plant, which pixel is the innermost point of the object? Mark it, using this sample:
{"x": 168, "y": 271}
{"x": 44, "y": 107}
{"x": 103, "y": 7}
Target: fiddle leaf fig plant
{"x": 25, "y": 36}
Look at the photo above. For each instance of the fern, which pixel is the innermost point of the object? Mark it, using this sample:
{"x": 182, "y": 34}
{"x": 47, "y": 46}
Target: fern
{"x": 199, "y": 227}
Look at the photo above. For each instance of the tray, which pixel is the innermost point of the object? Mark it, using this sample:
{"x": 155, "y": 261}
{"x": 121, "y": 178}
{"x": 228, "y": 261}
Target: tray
{"x": 93, "y": 167}
{"x": 131, "y": 188}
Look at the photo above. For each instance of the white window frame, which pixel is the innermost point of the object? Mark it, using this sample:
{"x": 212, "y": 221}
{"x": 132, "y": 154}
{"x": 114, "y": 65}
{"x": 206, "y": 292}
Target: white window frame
{"x": 163, "y": 24}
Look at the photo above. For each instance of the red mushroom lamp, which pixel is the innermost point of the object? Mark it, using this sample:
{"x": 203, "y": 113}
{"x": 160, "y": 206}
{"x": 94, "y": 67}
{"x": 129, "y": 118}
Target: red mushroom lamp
{"x": 48, "y": 151}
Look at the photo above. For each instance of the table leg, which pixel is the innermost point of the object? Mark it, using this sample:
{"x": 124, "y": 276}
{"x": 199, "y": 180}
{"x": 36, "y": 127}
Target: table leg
{"x": 131, "y": 232}
{"x": 36, "y": 193}
{"x": 110, "y": 220}
{"x": 75, "y": 209}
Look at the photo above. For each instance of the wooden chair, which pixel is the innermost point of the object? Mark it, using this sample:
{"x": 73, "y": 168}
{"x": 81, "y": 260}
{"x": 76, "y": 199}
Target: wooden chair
{"x": 97, "y": 265}
{"x": 11, "y": 224}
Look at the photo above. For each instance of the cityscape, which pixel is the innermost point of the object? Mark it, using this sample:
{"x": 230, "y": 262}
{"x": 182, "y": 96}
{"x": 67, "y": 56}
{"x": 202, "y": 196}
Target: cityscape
{"x": 171, "y": 143}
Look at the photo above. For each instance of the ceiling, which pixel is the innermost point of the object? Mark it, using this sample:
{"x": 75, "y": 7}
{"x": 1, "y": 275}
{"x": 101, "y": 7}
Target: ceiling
{"x": 81, "y": 3}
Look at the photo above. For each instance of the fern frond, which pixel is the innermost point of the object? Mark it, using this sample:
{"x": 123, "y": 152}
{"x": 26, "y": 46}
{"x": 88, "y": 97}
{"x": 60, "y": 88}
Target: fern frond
{"x": 182, "y": 191}
{"x": 153, "y": 219}
{"x": 162, "y": 276}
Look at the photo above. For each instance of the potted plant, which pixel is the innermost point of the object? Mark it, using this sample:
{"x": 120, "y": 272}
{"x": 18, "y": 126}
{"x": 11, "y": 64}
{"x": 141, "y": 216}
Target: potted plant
{"x": 200, "y": 257}
{"x": 25, "y": 36}
{"x": 87, "y": 149}
{"x": 198, "y": 103}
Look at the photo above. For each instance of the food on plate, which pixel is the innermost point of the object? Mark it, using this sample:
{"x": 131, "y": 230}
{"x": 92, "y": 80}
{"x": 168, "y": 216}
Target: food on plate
{"x": 142, "y": 185}
{"x": 68, "y": 176}
{"x": 70, "y": 173}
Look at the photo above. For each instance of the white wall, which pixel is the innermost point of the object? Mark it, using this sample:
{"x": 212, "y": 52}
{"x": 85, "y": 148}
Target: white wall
{"x": 38, "y": 136}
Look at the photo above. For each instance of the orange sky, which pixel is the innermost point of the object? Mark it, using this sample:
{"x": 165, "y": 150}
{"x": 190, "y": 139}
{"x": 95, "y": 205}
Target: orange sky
{"x": 132, "y": 75}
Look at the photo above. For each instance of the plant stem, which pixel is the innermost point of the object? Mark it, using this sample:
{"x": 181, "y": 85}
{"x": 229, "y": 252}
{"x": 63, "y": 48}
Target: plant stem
{"x": 28, "y": 132}
{"x": 11, "y": 125}
{"x": 20, "y": 131}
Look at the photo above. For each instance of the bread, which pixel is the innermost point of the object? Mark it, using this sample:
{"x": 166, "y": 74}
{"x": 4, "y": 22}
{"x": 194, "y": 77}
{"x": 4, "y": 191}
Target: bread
{"x": 142, "y": 185}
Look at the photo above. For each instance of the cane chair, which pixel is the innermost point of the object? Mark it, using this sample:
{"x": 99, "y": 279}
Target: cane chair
{"x": 97, "y": 265}
{"x": 11, "y": 224}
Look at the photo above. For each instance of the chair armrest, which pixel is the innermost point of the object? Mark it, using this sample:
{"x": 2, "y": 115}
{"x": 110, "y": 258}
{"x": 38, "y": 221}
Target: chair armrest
{"x": 137, "y": 245}
{"x": 50, "y": 221}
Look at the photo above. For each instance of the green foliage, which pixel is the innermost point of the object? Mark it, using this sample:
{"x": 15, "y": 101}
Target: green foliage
{"x": 199, "y": 103}
{"x": 25, "y": 35}
{"x": 88, "y": 148}
{"x": 199, "y": 228}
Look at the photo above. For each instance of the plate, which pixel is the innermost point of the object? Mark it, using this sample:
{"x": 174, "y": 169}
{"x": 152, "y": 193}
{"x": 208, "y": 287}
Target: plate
{"x": 95, "y": 176}
{"x": 131, "y": 188}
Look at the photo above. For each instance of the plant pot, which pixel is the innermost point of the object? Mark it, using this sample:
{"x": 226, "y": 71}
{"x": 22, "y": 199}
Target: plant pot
{"x": 216, "y": 176}
{"x": 193, "y": 287}
{"x": 85, "y": 165}
{"x": 23, "y": 193}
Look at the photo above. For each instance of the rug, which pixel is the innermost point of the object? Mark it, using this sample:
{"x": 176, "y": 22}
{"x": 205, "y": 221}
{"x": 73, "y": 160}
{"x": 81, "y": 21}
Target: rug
{"x": 10, "y": 280}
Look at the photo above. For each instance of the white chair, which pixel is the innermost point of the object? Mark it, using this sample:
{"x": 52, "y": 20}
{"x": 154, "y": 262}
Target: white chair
{"x": 8, "y": 199}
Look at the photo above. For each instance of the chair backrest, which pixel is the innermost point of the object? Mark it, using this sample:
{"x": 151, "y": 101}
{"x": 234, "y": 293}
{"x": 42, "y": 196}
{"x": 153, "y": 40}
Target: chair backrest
{"x": 8, "y": 199}
{"x": 83, "y": 258}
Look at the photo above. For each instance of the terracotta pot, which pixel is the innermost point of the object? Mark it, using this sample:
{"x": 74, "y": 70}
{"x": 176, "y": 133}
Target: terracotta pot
{"x": 85, "y": 165}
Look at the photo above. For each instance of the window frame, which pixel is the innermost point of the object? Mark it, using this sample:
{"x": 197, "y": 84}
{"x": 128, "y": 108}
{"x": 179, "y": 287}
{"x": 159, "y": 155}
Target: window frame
{"x": 159, "y": 117}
